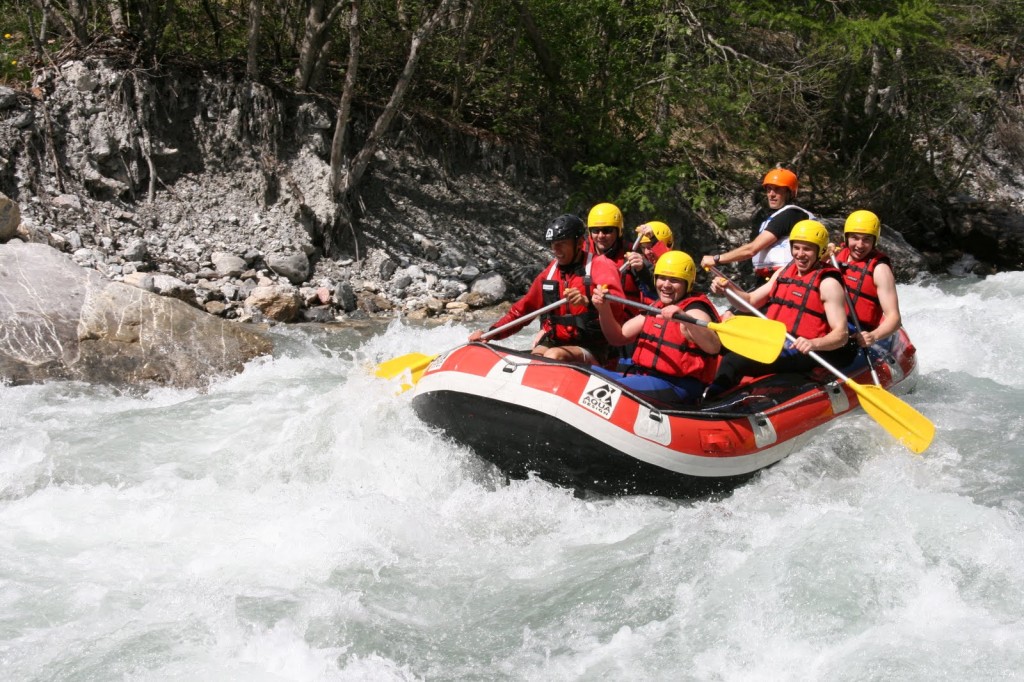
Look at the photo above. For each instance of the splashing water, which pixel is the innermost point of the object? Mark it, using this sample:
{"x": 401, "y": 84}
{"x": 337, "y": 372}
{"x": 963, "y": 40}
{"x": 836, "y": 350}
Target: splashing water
{"x": 298, "y": 521}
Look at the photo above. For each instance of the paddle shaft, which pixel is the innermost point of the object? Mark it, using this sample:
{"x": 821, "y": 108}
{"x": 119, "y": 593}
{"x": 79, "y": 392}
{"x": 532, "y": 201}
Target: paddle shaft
{"x": 625, "y": 266}
{"x": 657, "y": 311}
{"x": 856, "y": 324}
{"x": 491, "y": 333}
{"x": 415, "y": 363}
{"x": 902, "y": 421}
{"x": 736, "y": 298}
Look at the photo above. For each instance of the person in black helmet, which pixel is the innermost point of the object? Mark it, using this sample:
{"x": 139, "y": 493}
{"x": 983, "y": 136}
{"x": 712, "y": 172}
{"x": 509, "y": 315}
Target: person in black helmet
{"x": 571, "y": 332}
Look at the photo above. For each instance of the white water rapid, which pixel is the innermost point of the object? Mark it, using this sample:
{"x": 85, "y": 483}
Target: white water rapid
{"x": 298, "y": 522}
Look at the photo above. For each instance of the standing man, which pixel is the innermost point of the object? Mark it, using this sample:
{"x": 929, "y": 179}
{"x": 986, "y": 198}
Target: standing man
{"x": 769, "y": 249}
{"x": 869, "y": 279}
{"x": 571, "y": 332}
{"x": 807, "y": 296}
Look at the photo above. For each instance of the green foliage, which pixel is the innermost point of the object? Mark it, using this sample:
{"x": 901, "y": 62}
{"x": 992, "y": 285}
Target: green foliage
{"x": 15, "y": 49}
{"x": 653, "y": 102}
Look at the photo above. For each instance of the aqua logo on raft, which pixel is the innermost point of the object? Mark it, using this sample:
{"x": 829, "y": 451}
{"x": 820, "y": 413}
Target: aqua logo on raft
{"x": 600, "y": 397}
{"x": 438, "y": 361}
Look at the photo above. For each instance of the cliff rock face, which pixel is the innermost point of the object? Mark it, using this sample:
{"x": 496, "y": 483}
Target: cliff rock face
{"x": 221, "y": 186}
{"x": 181, "y": 173}
{"x": 61, "y": 321}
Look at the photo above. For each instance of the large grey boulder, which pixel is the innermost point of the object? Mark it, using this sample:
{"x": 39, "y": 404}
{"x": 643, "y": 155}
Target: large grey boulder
{"x": 61, "y": 321}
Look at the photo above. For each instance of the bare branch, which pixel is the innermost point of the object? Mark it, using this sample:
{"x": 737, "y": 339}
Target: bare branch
{"x": 383, "y": 123}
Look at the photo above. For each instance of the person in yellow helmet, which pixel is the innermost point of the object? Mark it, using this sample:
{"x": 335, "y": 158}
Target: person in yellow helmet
{"x": 655, "y": 240}
{"x": 808, "y": 297}
{"x": 769, "y": 248}
{"x": 869, "y": 279}
{"x": 605, "y": 226}
{"x": 672, "y": 360}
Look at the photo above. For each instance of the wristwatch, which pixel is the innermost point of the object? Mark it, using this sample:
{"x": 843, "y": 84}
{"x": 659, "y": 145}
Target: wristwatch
{"x": 718, "y": 259}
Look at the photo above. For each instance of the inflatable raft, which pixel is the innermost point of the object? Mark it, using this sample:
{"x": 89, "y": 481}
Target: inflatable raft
{"x": 573, "y": 427}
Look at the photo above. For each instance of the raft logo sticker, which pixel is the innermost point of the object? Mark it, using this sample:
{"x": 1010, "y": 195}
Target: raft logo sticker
{"x": 438, "y": 361}
{"x": 601, "y": 397}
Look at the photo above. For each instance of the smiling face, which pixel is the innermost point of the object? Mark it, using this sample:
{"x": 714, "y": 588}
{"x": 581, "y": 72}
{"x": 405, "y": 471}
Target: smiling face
{"x": 604, "y": 238}
{"x": 670, "y": 289}
{"x": 565, "y": 250}
{"x": 777, "y": 196}
{"x": 805, "y": 254}
{"x": 860, "y": 245}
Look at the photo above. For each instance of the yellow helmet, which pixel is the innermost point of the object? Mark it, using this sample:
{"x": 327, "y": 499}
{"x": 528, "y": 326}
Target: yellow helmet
{"x": 605, "y": 215}
{"x": 863, "y": 222}
{"x": 677, "y": 264}
{"x": 662, "y": 231}
{"x": 810, "y": 231}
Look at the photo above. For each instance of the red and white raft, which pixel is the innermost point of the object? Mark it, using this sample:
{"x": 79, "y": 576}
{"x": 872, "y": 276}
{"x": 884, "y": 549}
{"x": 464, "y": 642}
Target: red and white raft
{"x": 572, "y": 427}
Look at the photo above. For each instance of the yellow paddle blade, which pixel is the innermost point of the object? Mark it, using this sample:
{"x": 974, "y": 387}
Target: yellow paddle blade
{"x": 412, "y": 362}
{"x": 906, "y": 424}
{"x": 753, "y": 337}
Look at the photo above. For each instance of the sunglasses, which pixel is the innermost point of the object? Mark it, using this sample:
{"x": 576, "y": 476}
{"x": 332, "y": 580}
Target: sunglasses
{"x": 604, "y": 230}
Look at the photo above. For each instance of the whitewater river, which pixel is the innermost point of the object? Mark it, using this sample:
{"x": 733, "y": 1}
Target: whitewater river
{"x": 298, "y": 522}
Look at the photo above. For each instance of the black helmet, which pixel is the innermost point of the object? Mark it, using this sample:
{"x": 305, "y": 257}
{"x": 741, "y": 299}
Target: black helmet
{"x": 565, "y": 226}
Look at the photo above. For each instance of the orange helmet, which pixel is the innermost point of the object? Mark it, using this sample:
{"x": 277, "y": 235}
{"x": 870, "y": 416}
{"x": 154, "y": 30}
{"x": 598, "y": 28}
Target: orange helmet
{"x": 781, "y": 177}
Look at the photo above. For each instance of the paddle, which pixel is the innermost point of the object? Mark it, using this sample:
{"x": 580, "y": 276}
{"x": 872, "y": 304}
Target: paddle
{"x": 902, "y": 421}
{"x": 856, "y": 323}
{"x": 416, "y": 363}
{"x": 757, "y": 339}
{"x": 625, "y": 266}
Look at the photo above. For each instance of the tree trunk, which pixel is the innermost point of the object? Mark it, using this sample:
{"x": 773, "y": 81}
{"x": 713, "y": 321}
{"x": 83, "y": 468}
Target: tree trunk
{"x": 310, "y": 44}
{"x": 548, "y": 64}
{"x": 346, "y": 175}
{"x": 313, "y": 39}
{"x": 871, "y": 98}
{"x": 154, "y": 17}
{"x": 348, "y": 91}
{"x": 252, "y": 70}
{"x": 338, "y": 142}
{"x": 52, "y": 14}
{"x": 460, "y": 60}
{"x": 383, "y": 123}
{"x": 215, "y": 28}
{"x": 116, "y": 16}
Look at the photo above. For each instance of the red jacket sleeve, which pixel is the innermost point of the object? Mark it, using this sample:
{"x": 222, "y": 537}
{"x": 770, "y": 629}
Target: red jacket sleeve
{"x": 533, "y": 300}
{"x": 659, "y": 249}
{"x": 603, "y": 271}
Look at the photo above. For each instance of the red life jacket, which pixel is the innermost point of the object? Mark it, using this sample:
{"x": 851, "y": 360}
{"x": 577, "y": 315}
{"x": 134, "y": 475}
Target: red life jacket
{"x": 570, "y": 324}
{"x": 795, "y": 300}
{"x": 859, "y": 278}
{"x": 630, "y": 280}
{"x": 662, "y": 348}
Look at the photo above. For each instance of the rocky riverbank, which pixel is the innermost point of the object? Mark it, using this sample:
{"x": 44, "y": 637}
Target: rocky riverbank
{"x": 215, "y": 191}
{"x": 221, "y": 203}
